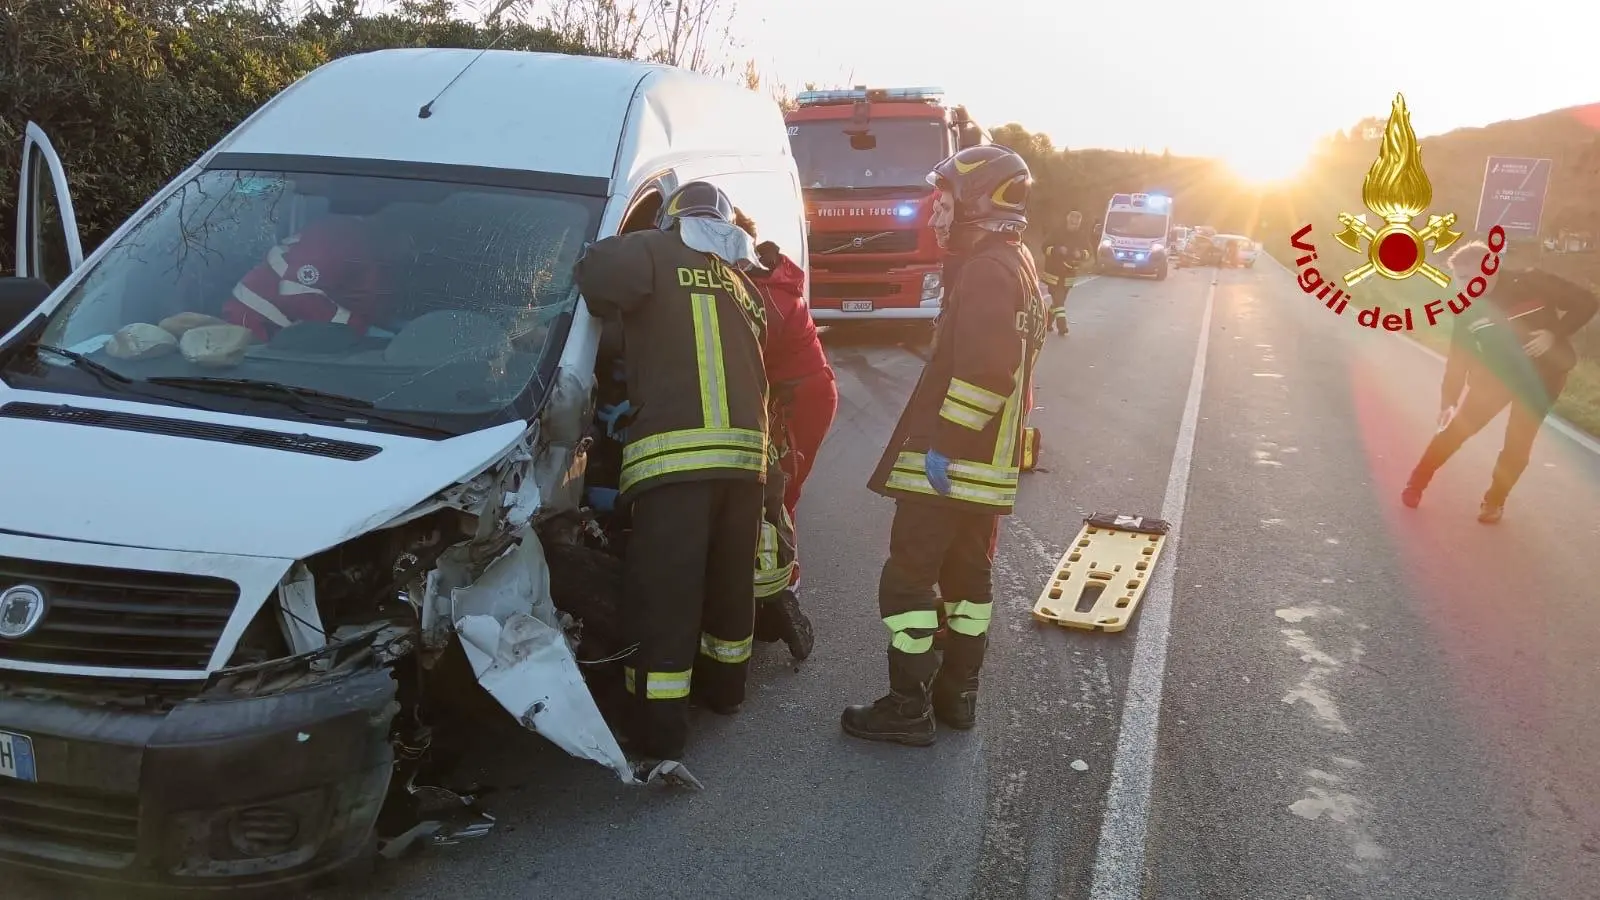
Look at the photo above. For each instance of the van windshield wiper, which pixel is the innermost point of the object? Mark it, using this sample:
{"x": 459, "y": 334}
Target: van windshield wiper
{"x": 99, "y": 370}
{"x": 254, "y": 386}
{"x": 292, "y": 395}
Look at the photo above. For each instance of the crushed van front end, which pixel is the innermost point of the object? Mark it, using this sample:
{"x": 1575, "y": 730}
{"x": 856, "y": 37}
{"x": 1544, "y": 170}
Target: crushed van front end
{"x": 182, "y": 792}
{"x": 134, "y": 759}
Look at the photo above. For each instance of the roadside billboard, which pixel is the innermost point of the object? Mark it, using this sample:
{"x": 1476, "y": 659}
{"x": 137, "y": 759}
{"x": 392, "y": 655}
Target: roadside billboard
{"x": 1513, "y": 195}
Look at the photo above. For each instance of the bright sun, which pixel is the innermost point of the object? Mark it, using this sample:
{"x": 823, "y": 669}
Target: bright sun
{"x": 1264, "y": 165}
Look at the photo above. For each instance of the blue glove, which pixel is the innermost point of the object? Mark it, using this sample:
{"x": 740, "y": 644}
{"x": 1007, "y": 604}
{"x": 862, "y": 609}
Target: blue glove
{"x": 937, "y": 467}
{"x": 602, "y": 499}
{"x": 610, "y": 415}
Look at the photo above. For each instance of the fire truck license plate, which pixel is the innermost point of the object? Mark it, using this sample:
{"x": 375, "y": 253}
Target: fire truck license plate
{"x": 16, "y": 757}
{"x": 858, "y": 306}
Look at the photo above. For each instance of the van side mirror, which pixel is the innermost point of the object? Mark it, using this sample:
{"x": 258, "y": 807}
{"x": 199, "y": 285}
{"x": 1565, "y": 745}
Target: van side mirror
{"x": 19, "y": 297}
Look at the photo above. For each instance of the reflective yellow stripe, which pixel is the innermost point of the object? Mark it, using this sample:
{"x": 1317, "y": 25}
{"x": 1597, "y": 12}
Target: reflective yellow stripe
{"x": 1051, "y": 279}
{"x": 725, "y": 651}
{"x": 967, "y": 617}
{"x": 772, "y": 582}
{"x": 955, "y": 411}
{"x": 660, "y": 685}
{"x": 971, "y": 481}
{"x": 975, "y": 396}
{"x": 771, "y": 577}
{"x": 708, "y": 357}
{"x": 692, "y": 449}
{"x": 902, "y": 625}
{"x": 1005, "y": 449}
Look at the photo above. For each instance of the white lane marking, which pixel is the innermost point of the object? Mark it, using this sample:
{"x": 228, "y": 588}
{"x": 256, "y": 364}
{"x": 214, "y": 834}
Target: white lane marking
{"x": 1119, "y": 859}
{"x": 1565, "y": 428}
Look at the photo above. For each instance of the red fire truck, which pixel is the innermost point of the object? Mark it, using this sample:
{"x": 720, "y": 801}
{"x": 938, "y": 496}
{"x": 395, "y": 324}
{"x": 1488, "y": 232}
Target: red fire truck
{"x": 864, "y": 156}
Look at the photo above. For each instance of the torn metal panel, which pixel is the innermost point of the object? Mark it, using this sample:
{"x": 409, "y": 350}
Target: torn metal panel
{"x": 297, "y": 612}
{"x": 513, "y": 638}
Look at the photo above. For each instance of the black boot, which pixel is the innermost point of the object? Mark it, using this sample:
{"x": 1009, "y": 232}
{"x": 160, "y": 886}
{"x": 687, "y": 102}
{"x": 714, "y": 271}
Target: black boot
{"x": 779, "y": 618}
{"x": 895, "y": 718}
{"x": 955, "y": 702}
{"x": 905, "y": 714}
{"x": 1415, "y": 485}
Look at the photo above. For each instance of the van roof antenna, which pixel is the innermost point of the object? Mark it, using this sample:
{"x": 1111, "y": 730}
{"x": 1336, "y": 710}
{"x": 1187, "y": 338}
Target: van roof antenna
{"x": 427, "y": 108}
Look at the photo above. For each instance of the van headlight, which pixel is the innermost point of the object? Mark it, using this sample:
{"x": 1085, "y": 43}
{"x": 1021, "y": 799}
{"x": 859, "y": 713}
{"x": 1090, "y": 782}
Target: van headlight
{"x": 1157, "y": 247}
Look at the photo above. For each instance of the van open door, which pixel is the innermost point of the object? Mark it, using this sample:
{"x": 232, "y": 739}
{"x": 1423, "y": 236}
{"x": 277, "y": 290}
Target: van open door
{"x": 39, "y": 200}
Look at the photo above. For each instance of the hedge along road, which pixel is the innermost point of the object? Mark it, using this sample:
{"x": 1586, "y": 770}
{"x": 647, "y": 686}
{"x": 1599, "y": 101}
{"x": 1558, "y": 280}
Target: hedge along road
{"x": 1358, "y": 700}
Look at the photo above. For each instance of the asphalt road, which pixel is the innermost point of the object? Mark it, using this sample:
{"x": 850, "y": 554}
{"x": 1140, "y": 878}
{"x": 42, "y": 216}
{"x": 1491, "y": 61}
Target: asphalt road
{"x": 1355, "y": 700}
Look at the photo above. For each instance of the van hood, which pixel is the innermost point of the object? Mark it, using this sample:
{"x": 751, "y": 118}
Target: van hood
{"x": 108, "y": 486}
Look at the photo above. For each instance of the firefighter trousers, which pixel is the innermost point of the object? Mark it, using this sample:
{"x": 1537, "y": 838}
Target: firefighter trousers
{"x": 689, "y": 605}
{"x": 1486, "y": 397}
{"x": 954, "y": 550}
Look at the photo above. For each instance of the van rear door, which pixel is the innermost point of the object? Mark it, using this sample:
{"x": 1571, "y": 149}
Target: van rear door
{"x": 48, "y": 246}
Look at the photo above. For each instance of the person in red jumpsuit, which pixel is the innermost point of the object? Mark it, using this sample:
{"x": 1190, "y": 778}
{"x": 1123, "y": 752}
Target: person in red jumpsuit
{"x": 324, "y": 273}
{"x": 797, "y": 369}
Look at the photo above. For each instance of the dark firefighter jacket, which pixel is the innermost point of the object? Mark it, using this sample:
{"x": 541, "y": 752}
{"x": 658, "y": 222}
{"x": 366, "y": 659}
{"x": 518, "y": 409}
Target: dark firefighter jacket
{"x": 971, "y": 402}
{"x": 1063, "y": 256}
{"x": 693, "y": 331}
{"x": 1487, "y": 337}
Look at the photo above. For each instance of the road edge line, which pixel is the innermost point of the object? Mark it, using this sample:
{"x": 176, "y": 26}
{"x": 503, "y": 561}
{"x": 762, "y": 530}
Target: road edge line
{"x": 1120, "y": 854}
{"x": 1566, "y": 429}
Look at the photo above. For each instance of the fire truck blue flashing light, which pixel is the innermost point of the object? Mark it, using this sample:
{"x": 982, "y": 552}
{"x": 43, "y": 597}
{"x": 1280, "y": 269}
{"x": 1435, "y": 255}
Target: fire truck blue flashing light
{"x": 905, "y": 210}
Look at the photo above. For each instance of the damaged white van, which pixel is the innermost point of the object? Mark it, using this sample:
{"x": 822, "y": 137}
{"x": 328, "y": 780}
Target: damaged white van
{"x": 302, "y": 451}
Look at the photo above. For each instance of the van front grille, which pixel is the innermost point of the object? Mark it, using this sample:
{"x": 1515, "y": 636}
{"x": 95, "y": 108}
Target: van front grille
{"x": 87, "y": 827}
{"x": 119, "y": 618}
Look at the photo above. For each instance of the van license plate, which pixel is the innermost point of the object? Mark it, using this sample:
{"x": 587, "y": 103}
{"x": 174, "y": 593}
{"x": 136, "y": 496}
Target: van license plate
{"x": 16, "y": 757}
{"x": 858, "y": 306}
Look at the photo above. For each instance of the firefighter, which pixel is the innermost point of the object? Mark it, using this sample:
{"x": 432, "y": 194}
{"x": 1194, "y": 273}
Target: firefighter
{"x": 1063, "y": 259}
{"x": 952, "y": 465}
{"x": 1510, "y": 349}
{"x": 324, "y": 273}
{"x": 694, "y": 460}
{"x": 804, "y": 401}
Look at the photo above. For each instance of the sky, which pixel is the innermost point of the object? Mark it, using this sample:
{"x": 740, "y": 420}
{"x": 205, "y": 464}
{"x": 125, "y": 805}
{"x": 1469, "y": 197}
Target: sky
{"x": 1253, "y": 82}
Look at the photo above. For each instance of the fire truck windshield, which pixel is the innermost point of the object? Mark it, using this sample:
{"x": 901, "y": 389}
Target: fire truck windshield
{"x": 885, "y": 153}
{"x": 1135, "y": 224}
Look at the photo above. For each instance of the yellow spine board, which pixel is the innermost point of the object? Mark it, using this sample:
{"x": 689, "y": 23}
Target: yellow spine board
{"x": 1112, "y": 567}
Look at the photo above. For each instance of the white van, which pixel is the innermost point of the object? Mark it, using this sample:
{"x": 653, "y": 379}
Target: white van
{"x": 240, "y": 561}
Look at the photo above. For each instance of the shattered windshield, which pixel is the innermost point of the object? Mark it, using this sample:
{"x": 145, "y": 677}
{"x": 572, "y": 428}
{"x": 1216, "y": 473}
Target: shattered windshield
{"x": 1136, "y": 225}
{"x": 885, "y": 153}
{"x": 417, "y": 296}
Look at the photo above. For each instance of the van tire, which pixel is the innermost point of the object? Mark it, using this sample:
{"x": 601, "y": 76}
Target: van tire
{"x": 586, "y": 584}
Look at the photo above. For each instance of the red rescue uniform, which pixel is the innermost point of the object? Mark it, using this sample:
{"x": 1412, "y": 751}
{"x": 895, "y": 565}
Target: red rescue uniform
{"x": 797, "y": 370}
{"x": 326, "y": 273}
